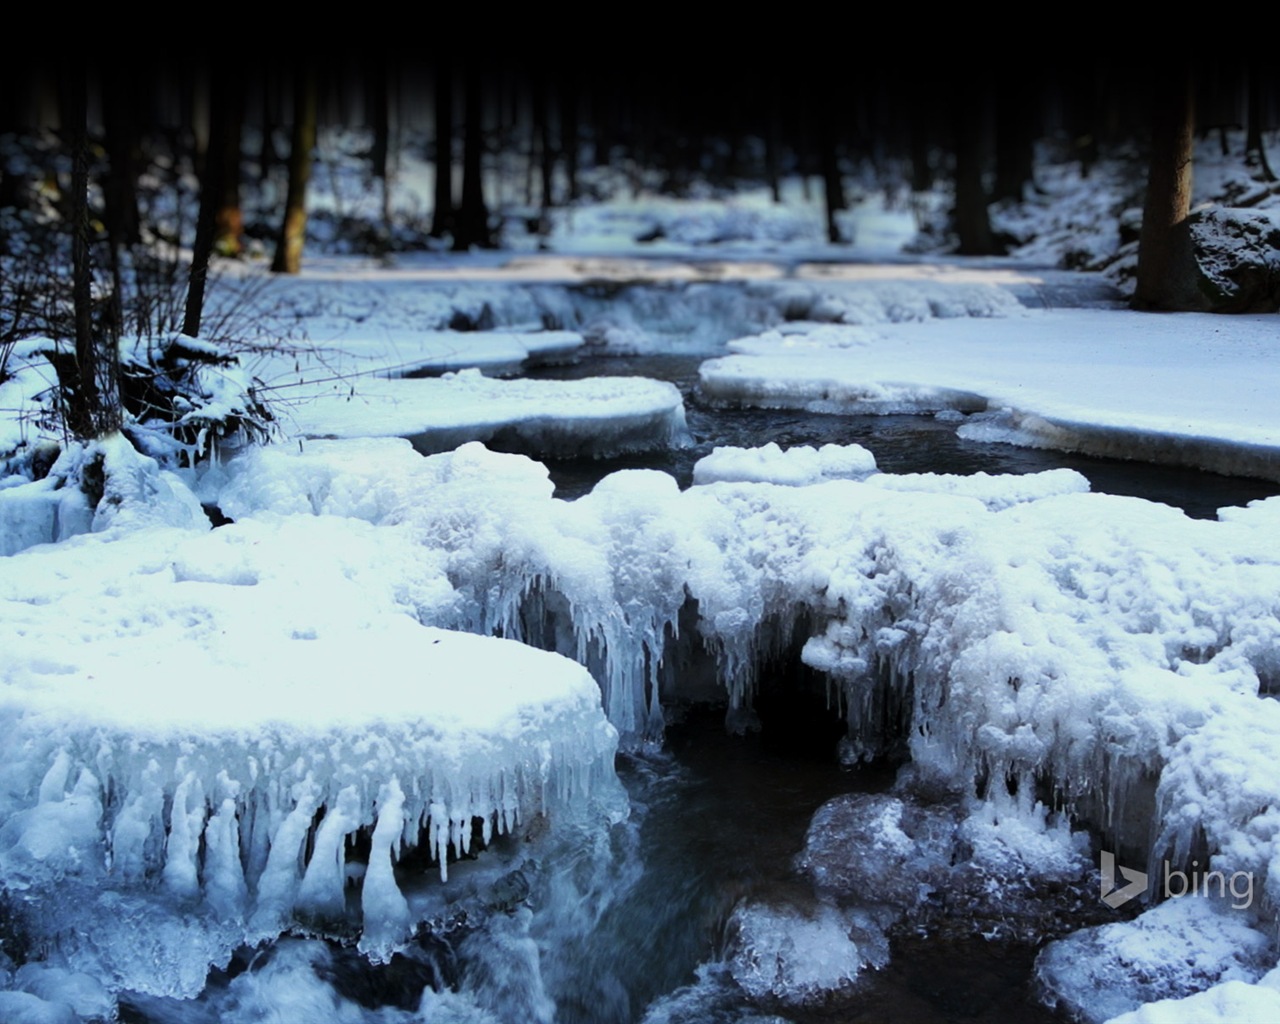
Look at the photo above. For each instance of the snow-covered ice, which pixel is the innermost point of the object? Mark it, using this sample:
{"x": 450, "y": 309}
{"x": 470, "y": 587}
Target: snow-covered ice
{"x": 602, "y": 416}
{"x": 1187, "y": 389}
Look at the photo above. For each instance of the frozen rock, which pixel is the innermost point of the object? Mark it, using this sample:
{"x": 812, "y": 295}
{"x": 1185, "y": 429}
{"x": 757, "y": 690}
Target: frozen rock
{"x": 793, "y": 467}
{"x": 791, "y": 954}
{"x": 1178, "y": 948}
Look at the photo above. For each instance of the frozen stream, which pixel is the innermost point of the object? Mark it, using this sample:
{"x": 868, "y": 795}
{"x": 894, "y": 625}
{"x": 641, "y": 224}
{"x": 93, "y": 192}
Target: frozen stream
{"x": 663, "y": 918}
{"x": 901, "y": 444}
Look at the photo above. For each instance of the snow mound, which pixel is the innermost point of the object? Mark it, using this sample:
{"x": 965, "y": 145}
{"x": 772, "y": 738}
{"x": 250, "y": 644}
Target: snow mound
{"x": 996, "y": 492}
{"x": 1228, "y": 1003}
{"x": 599, "y": 417}
{"x": 793, "y": 467}
{"x": 230, "y": 734}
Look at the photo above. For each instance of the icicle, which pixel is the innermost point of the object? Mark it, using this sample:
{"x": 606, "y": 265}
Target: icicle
{"x": 186, "y": 822}
{"x": 439, "y": 837}
{"x": 224, "y": 884}
{"x": 386, "y": 912}
{"x": 280, "y": 877}
{"x": 138, "y": 828}
{"x": 54, "y": 785}
{"x": 322, "y": 892}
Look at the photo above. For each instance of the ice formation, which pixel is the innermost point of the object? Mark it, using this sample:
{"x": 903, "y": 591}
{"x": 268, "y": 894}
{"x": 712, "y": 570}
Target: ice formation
{"x": 602, "y": 416}
{"x": 399, "y": 352}
{"x": 1020, "y": 632}
{"x": 234, "y": 714}
{"x": 1018, "y": 636}
{"x": 791, "y": 954}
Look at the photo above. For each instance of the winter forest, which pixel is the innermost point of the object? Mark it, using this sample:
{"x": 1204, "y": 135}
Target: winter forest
{"x": 493, "y": 541}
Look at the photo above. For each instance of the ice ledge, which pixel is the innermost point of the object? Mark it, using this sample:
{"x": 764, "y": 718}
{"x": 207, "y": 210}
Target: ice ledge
{"x": 194, "y": 744}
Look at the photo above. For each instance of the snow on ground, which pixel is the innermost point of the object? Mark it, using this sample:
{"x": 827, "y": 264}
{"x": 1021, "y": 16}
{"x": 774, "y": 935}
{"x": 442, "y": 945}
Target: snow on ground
{"x": 1185, "y": 389}
{"x": 1183, "y": 946}
{"x": 388, "y": 352}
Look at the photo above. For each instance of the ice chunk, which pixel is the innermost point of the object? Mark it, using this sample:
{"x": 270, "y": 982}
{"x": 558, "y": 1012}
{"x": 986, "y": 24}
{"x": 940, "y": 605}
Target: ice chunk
{"x": 84, "y": 994}
{"x": 25, "y": 1008}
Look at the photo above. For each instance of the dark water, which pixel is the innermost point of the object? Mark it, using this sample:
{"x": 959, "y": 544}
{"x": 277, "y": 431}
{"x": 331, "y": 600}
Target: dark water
{"x": 901, "y": 444}
{"x": 723, "y": 820}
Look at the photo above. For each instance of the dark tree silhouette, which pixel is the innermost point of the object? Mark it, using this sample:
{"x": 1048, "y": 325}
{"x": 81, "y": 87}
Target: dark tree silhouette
{"x": 442, "y": 214}
{"x": 224, "y": 138}
{"x": 471, "y": 225}
{"x": 1167, "y": 269}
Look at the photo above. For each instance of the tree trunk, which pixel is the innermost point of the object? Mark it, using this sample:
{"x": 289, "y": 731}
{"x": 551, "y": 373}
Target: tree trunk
{"x": 1015, "y": 145}
{"x": 120, "y": 193}
{"x": 972, "y": 222}
{"x": 472, "y": 222}
{"x": 569, "y": 142}
{"x": 546, "y": 155}
{"x": 228, "y": 231}
{"x": 1168, "y": 275}
{"x": 379, "y": 156}
{"x": 1255, "y": 152}
{"x": 223, "y": 126}
{"x": 293, "y": 229}
{"x": 442, "y": 214}
{"x": 832, "y": 187}
{"x": 90, "y": 381}
{"x": 772, "y": 145}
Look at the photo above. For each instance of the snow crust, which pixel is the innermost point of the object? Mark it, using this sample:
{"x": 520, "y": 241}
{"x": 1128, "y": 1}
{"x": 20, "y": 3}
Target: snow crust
{"x": 1180, "y": 947}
